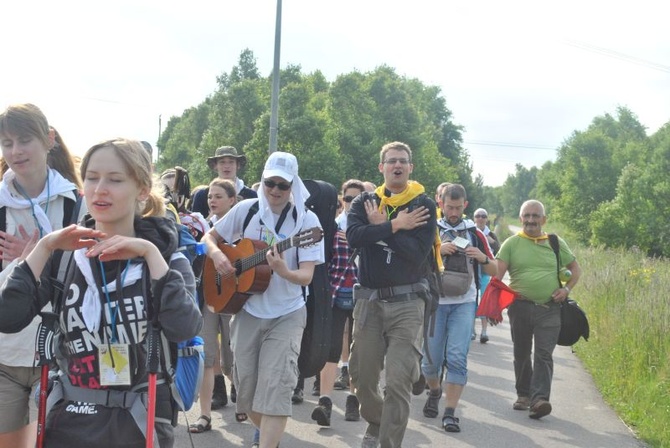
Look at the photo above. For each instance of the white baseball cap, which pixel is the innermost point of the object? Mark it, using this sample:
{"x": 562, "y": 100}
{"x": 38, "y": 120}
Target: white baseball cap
{"x": 281, "y": 164}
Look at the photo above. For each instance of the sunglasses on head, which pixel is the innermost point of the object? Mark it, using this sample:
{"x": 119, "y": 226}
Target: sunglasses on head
{"x": 348, "y": 198}
{"x": 481, "y": 216}
{"x": 283, "y": 186}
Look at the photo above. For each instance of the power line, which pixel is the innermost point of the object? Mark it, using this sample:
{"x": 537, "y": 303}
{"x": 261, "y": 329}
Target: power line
{"x": 618, "y": 55}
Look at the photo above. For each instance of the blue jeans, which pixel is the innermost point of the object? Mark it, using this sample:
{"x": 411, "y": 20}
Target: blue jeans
{"x": 453, "y": 329}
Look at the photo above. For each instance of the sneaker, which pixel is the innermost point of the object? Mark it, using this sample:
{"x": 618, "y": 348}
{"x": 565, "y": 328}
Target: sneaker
{"x": 322, "y": 411}
{"x": 431, "y": 408}
{"x": 351, "y": 410}
{"x": 540, "y": 409}
{"x": 219, "y": 396}
{"x": 316, "y": 389}
{"x": 342, "y": 381}
{"x": 521, "y": 404}
{"x": 370, "y": 441}
{"x": 297, "y": 397}
{"x": 419, "y": 386}
{"x": 474, "y": 336}
{"x": 483, "y": 339}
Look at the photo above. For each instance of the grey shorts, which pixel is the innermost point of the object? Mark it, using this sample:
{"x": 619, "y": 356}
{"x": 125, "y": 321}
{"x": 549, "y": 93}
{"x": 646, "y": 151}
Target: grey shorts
{"x": 217, "y": 350}
{"x": 266, "y": 361}
{"x": 17, "y": 392}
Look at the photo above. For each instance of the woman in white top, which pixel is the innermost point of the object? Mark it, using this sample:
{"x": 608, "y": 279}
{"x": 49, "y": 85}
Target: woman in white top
{"x": 38, "y": 193}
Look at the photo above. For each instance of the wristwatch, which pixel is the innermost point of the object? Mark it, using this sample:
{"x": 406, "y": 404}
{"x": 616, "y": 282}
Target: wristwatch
{"x": 487, "y": 261}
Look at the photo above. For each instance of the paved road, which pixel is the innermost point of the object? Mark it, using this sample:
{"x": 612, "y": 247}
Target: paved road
{"x": 580, "y": 417}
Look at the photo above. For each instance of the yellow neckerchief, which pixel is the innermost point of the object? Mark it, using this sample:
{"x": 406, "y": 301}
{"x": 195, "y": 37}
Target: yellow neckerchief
{"x": 413, "y": 190}
{"x": 523, "y": 234}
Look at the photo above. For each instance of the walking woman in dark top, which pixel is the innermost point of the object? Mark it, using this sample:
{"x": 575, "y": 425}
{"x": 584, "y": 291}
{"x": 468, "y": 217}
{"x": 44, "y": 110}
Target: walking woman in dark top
{"x": 123, "y": 273}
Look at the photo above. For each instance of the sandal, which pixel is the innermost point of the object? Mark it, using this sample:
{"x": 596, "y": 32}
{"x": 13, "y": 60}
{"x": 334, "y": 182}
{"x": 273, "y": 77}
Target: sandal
{"x": 241, "y": 417}
{"x": 197, "y": 428}
{"x": 450, "y": 424}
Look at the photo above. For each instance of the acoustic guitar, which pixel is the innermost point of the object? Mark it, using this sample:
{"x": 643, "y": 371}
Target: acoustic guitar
{"x": 228, "y": 293}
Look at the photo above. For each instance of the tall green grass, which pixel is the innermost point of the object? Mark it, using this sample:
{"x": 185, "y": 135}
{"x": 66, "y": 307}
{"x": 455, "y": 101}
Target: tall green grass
{"x": 627, "y": 298}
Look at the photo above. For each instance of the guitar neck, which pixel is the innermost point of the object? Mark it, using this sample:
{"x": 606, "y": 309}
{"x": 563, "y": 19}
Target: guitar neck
{"x": 244, "y": 264}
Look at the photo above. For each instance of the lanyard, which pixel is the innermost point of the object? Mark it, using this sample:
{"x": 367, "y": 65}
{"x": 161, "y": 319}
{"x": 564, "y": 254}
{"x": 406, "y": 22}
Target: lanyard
{"x": 23, "y": 193}
{"x": 119, "y": 288}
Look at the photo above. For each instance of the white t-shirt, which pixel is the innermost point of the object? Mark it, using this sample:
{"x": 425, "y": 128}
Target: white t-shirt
{"x": 281, "y": 297}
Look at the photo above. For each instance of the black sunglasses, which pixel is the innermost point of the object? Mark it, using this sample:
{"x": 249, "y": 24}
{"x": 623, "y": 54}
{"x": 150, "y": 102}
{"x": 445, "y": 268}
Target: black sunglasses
{"x": 481, "y": 216}
{"x": 283, "y": 186}
{"x": 348, "y": 198}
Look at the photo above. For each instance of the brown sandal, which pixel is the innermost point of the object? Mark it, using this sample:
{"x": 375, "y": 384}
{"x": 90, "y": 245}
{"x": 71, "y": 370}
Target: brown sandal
{"x": 197, "y": 427}
{"x": 241, "y": 417}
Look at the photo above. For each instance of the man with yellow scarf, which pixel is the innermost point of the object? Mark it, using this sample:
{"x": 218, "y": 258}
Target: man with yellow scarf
{"x": 536, "y": 312}
{"x": 394, "y": 231}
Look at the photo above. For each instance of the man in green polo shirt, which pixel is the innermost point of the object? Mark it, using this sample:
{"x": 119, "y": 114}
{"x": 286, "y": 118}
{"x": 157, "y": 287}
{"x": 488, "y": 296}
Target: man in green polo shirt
{"x": 535, "y": 316}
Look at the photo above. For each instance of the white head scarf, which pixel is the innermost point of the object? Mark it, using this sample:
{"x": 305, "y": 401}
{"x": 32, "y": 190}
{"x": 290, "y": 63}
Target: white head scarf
{"x": 284, "y": 165}
{"x": 56, "y": 185}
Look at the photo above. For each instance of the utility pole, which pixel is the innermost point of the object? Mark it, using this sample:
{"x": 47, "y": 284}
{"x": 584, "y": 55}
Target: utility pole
{"x": 274, "y": 105}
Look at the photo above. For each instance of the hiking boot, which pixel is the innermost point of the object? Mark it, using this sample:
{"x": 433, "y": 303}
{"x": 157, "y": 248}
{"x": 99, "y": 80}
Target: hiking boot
{"x": 316, "y": 389}
{"x": 521, "y": 404}
{"x": 351, "y": 410}
{"x": 483, "y": 339}
{"x": 342, "y": 381}
{"x": 297, "y": 397}
{"x": 219, "y": 396}
{"x": 540, "y": 409}
{"x": 322, "y": 411}
{"x": 419, "y": 386}
{"x": 370, "y": 441}
{"x": 431, "y": 408}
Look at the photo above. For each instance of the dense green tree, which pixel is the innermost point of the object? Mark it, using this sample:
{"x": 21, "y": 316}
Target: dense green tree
{"x": 517, "y": 188}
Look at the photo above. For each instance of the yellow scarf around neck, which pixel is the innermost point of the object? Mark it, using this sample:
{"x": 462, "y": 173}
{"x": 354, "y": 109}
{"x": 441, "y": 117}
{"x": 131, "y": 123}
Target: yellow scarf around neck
{"x": 413, "y": 190}
{"x": 534, "y": 239}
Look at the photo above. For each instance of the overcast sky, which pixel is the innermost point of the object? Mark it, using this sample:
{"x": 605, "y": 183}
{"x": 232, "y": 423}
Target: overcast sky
{"x": 519, "y": 76}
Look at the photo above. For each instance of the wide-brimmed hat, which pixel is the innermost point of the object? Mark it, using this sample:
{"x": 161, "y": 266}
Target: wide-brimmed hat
{"x": 226, "y": 151}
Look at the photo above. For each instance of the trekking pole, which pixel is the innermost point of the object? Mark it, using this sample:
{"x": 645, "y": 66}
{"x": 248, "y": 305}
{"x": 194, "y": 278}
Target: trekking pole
{"x": 153, "y": 364}
{"x": 43, "y": 357}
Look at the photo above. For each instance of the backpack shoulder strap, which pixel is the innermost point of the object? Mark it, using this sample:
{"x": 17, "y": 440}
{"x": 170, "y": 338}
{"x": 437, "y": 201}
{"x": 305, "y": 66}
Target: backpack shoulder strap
{"x": 553, "y": 241}
{"x": 252, "y": 211}
{"x": 62, "y": 259}
{"x": 3, "y": 218}
{"x": 71, "y": 208}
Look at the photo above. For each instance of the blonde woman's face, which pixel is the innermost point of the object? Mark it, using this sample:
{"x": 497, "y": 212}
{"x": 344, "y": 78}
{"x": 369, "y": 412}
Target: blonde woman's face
{"x": 110, "y": 192}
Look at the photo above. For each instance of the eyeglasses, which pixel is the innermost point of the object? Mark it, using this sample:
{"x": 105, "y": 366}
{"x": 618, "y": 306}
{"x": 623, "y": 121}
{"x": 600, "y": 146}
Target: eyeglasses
{"x": 283, "y": 186}
{"x": 394, "y": 161}
{"x": 481, "y": 216}
{"x": 348, "y": 198}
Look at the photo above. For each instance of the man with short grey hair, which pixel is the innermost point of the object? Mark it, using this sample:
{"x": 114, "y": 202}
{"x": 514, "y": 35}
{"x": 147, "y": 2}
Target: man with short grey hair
{"x": 535, "y": 315}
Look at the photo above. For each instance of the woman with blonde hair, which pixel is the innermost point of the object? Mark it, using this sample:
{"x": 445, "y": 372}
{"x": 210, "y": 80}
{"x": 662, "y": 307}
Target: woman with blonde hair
{"x": 125, "y": 277}
{"x": 39, "y": 192}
